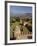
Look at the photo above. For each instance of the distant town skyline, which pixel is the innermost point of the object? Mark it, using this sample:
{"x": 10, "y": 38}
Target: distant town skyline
{"x": 20, "y": 9}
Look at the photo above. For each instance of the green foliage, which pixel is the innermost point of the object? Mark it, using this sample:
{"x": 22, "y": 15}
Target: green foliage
{"x": 18, "y": 19}
{"x": 14, "y": 21}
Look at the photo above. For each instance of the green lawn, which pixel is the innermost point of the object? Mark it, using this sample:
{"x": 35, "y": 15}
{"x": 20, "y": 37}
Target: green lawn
{"x": 25, "y": 29}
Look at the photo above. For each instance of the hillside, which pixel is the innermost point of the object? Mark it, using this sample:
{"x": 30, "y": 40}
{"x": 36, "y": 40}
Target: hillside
{"x": 28, "y": 15}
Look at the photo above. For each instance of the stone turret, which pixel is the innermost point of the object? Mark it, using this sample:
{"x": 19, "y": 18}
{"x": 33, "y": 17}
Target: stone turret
{"x": 17, "y": 32}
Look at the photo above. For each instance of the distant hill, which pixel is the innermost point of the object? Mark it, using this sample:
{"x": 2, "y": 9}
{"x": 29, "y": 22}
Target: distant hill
{"x": 28, "y": 15}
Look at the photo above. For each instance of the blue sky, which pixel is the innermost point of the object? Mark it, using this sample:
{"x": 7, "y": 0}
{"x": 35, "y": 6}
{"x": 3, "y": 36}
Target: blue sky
{"x": 20, "y": 9}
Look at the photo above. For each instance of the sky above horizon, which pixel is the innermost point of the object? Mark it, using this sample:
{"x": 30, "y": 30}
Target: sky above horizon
{"x": 20, "y": 9}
